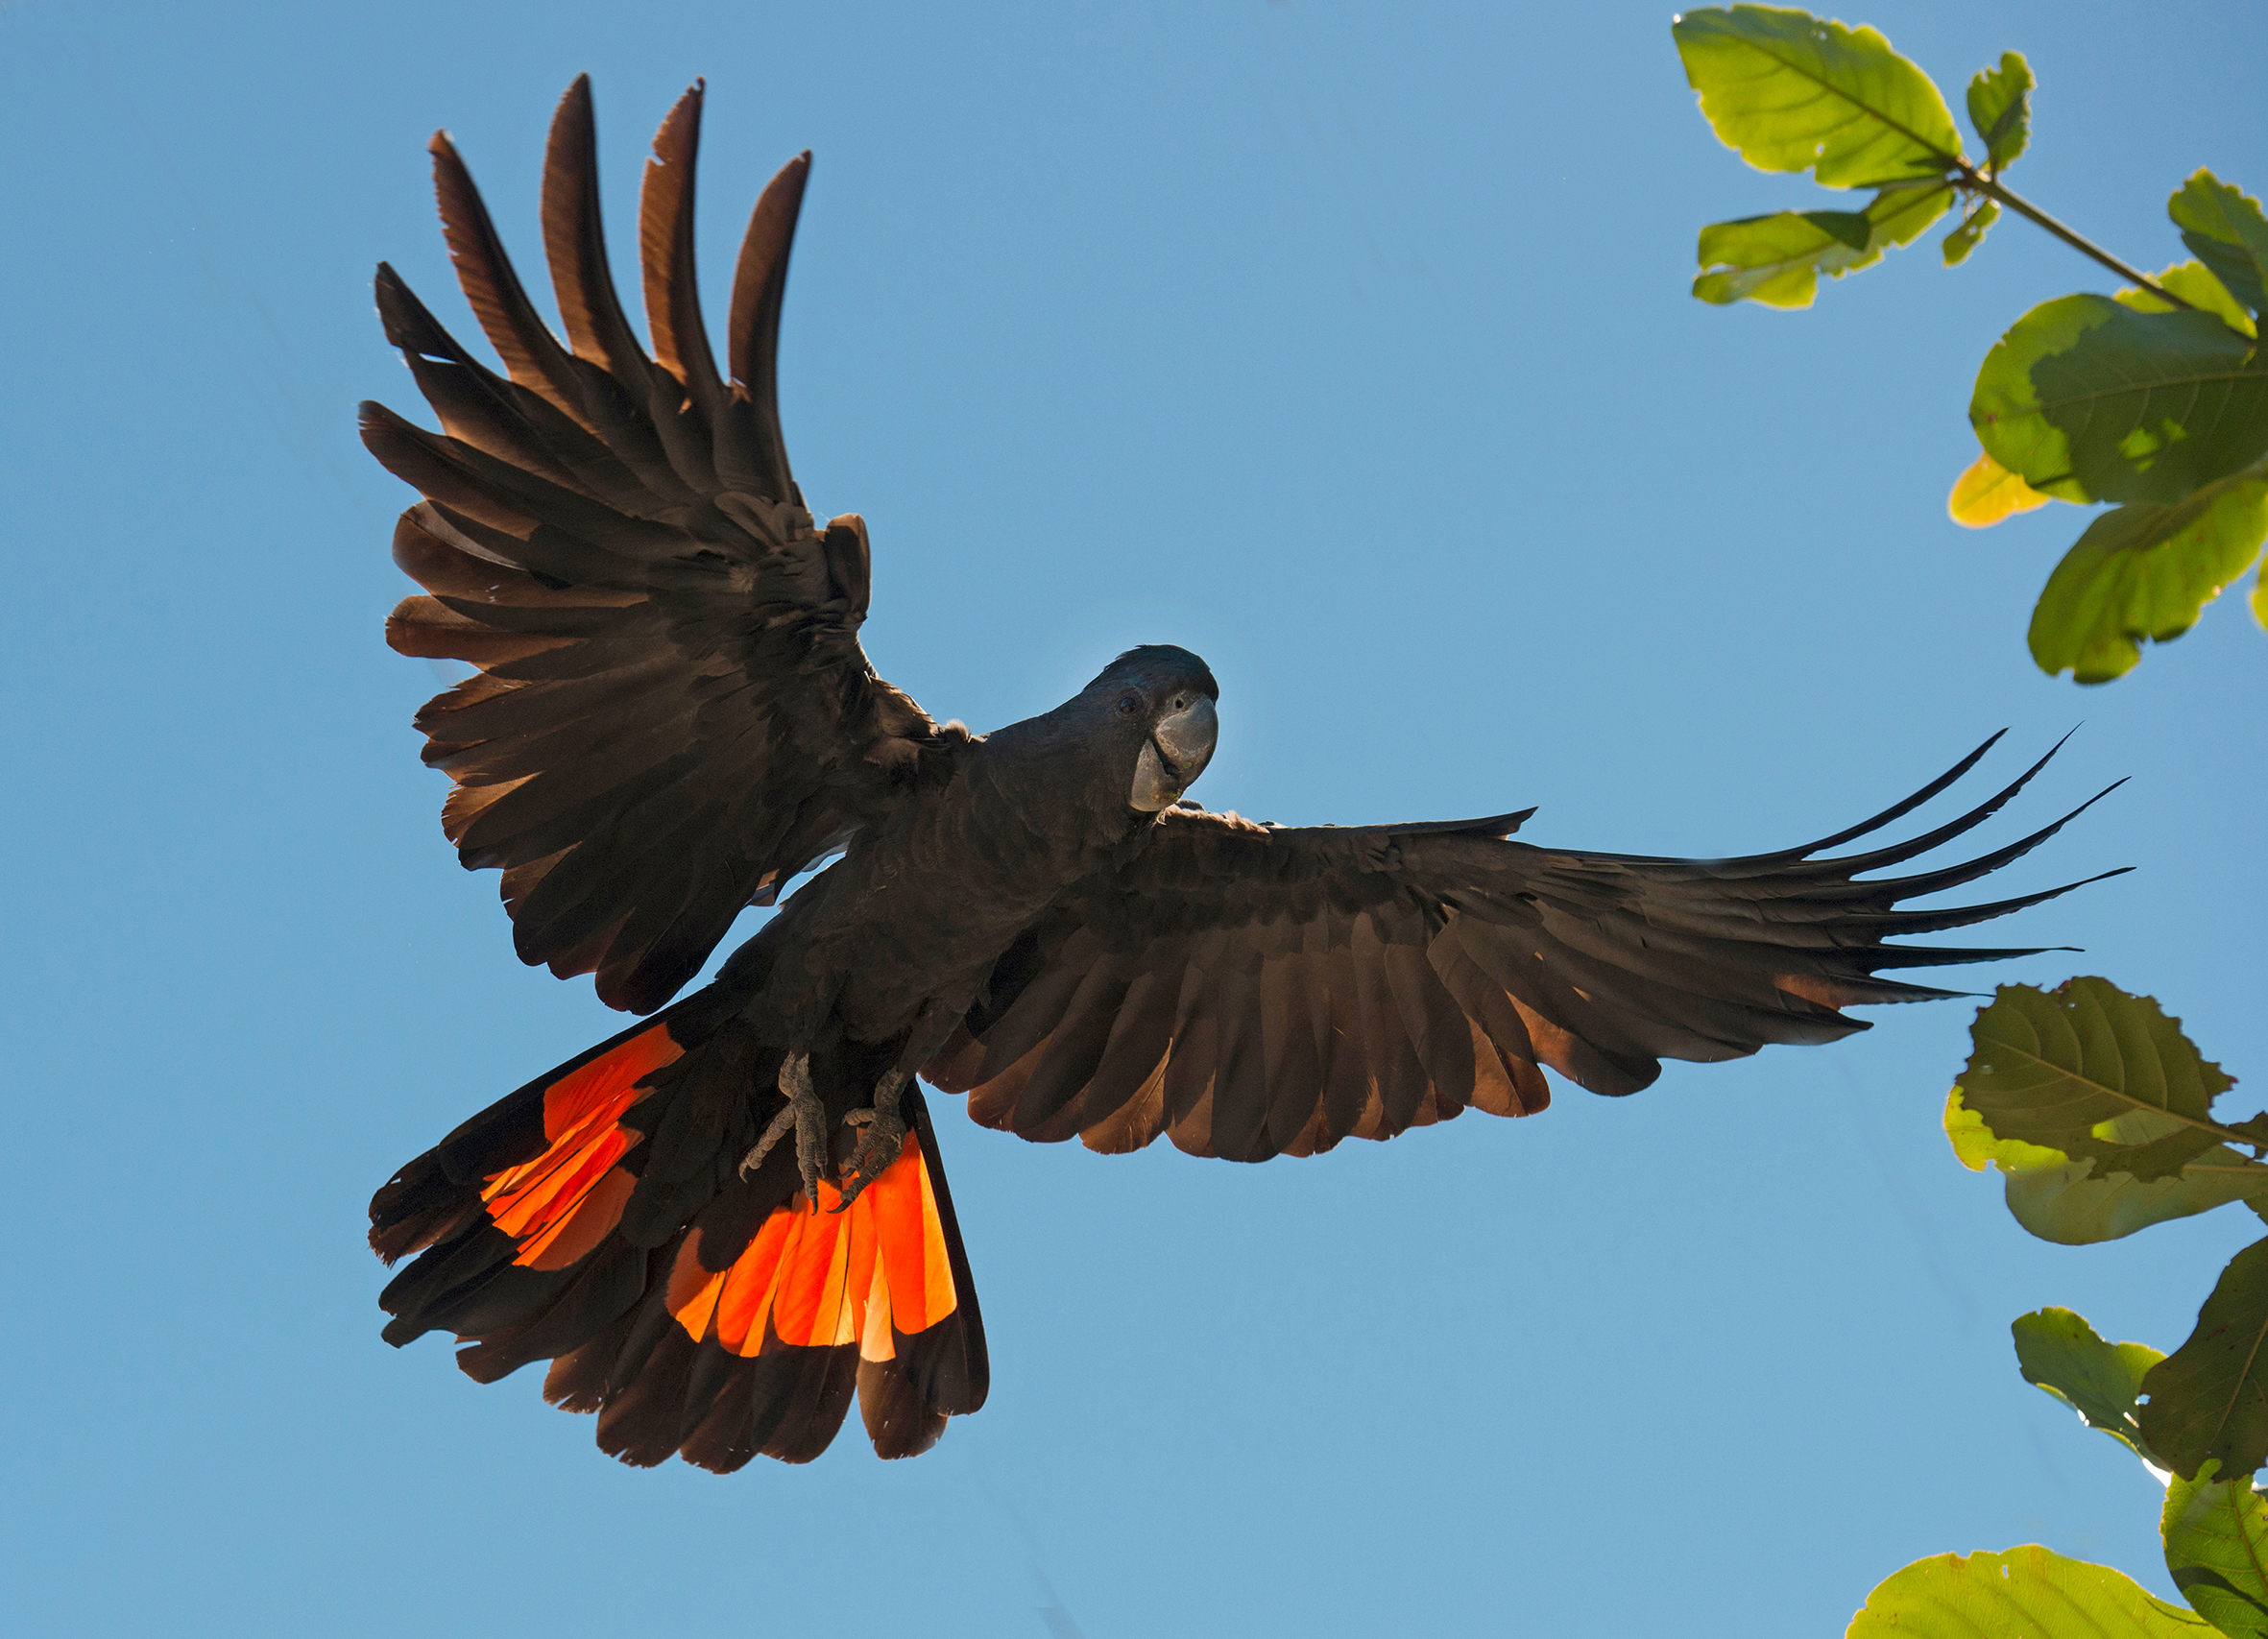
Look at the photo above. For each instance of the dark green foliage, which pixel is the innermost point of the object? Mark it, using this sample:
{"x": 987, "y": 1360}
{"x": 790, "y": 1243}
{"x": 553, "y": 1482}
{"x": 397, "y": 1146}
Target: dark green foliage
{"x": 2094, "y": 1073}
{"x": 2216, "y": 1549}
{"x": 2208, "y": 1400}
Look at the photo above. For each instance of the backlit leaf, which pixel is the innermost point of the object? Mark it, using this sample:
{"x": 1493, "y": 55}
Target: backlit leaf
{"x": 2001, "y": 108}
{"x": 1977, "y": 1146}
{"x": 1795, "y": 92}
{"x": 2026, "y": 1593}
{"x": 2062, "y": 1200}
{"x": 2224, "y": 228}
{"x": 2208, "y": 1399}
{"x": 2086, "y": 399}
{"x": 2094, "y": 1073}
{"x": 2194, "y": 283}
{"x": 1778, "y": 259}
{"x": 1986, "y": 492}
{"x": 2216, "y": 1548}
{"x": 2145, "y": 572}
{"x": 1970, "y": 233}
{"x": 2068, "y": 1205}
{"x": 2060, "y": 1353}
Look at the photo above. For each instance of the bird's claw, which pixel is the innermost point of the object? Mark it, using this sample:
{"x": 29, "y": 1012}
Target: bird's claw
{"x": 807, "y": 1117}
{"x": 879, "y": 1144}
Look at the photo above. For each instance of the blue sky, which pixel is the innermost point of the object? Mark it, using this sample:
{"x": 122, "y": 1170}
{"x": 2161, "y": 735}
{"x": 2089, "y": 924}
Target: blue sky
{"x": 1346, "y": 345}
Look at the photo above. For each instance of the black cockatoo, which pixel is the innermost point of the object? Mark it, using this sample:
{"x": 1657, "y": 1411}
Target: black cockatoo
{"x": 721, "y": 1223}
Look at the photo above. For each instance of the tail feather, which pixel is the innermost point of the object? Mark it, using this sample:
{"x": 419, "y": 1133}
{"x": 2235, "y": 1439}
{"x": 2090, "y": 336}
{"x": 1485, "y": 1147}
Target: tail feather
{"x": 597, "y": 1219}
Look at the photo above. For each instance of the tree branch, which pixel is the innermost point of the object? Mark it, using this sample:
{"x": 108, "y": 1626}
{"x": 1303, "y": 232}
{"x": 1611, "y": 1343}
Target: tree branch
{"x": 1972, "y": 177}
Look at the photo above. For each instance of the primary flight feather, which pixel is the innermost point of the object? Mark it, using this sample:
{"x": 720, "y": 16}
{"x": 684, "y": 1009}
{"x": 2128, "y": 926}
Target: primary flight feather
{"x": 724, "y": 1222}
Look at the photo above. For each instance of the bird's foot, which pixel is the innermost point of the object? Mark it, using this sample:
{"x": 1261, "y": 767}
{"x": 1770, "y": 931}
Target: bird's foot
{"x": 881, "y": 1136}
{"x": 806, "y": 1117}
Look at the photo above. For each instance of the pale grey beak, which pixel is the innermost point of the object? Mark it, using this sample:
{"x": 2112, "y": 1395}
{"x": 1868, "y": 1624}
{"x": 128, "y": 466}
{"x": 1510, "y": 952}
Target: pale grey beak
{"x": 1177, "y": 750}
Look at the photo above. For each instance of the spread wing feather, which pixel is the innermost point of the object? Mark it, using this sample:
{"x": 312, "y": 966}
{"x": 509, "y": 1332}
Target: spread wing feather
{"x": 1251, "y": 990}
{"x": 672, "y": 714}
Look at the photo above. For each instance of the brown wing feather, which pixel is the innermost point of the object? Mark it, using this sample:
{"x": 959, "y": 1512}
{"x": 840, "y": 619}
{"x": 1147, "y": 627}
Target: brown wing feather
{"x": 673, "y": 714}
{"x": 665, "y": 252}
{"x": 1329, "y": 983}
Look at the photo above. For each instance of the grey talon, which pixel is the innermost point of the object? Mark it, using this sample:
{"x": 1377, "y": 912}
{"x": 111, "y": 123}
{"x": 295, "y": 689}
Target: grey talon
{"x": 882, "y": 1137}
{"x": 807, "y": 1117}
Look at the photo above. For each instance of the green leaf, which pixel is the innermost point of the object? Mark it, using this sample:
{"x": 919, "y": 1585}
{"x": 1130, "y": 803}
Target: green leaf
{"x": 1795, "y": 92}
{"x": 2060, "y": 1200}
{"x": 2068, "y": 1205}
{"x": 2086, "y": 399}
{"x": 2216, "y": 1547}
{"x": 2001, "y": 108}
{"x": 1970, "y": 233}
{"x": 2208, "y": 1399}
{"x": 2060, "y": 1353}
{"x": 2094, "y": 1073}
{"x": 2194, "y": 283}
{"x": 1778, "y": 259}
{"x": 2146, "y": 571}
{"x": 2224, "y": 228}
{"x": 2026, "y": 1593}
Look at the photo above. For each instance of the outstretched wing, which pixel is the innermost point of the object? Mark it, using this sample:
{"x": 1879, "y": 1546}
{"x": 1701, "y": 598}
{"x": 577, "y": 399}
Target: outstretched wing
{"x": 1251, "y": 991}
{"x": 672, "y": 714}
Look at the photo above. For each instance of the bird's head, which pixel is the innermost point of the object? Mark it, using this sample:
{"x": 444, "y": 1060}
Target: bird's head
{"x": 1155, "y": 704}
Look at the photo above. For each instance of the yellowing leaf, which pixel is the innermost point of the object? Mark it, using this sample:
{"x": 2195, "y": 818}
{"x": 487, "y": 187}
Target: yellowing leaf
{"x": 2026, "y": 1593}
{"x": 1977, "y": 1146}
{"x": 1988, "y": 491}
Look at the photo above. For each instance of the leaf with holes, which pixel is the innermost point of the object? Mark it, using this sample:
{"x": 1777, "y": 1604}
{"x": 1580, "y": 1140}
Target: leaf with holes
{"x": 2094, "y": 1073}
{"x": 2208, "y": 1399}
{"x": 1778, "y": 259}
{"x": 2145, "y": 573}
{"x": 2026, "y": 1593}
{"x": 2089, "y": 401}
{"x": 2224, "y": 228}
{"x": 2001, "y": 108}
{"x": 2060, "y": 1352}
{"x": 2216, "y": 1549}
{"x": 1970, "y": 233}
{"x": 1795, "y": 92}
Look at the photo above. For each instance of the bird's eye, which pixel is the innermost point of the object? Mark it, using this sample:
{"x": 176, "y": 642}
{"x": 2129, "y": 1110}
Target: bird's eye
{"x": 1128, "y": 705}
